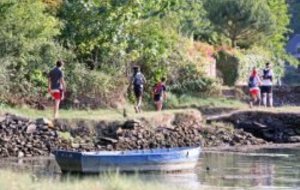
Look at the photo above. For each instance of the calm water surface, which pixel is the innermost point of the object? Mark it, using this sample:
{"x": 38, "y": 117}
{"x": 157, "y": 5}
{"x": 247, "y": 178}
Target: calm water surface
{"x": 261, "y": 169}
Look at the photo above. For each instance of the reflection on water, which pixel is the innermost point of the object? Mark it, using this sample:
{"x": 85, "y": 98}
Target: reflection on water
{"x": 262, "y": 169}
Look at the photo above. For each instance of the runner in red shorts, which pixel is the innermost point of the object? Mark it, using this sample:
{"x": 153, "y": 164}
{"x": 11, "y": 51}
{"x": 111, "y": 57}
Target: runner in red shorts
{"x": 253, "y": 84}
{"x": 56, "y": 86}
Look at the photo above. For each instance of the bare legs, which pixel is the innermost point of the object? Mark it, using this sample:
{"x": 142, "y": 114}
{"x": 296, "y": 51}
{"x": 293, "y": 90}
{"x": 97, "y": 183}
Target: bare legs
{"x": 138, "y": 105}
{"x": 255, "y": 99}
{"x": 265, "y": 99}
{"x": 268, "y": 97}
{"x": 158, "y": 105}
{"x": 56, "y": 108}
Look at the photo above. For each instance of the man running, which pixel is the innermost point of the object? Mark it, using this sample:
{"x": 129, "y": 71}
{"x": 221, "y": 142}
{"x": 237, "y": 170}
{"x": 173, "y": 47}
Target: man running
{"x": 159, "y": 94}
{"x": 253, "y": 84}
{"x": 57, "y": 86}
{"x": 138, "y": 80}
{"x": 267, "y": 83}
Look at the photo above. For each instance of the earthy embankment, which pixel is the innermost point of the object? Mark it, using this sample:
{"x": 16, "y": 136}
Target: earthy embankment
{"x": 22, "y": 137}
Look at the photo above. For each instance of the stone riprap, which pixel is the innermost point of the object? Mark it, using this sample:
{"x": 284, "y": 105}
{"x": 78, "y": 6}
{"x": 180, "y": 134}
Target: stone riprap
{"x": 22, "y": 137}
{"x": 272, "y": 127}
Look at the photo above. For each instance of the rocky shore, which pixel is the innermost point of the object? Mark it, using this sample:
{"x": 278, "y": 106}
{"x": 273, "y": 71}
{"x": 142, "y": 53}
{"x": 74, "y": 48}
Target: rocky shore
{"x": 22, "y": 137}
{"x": 272, "y": 127}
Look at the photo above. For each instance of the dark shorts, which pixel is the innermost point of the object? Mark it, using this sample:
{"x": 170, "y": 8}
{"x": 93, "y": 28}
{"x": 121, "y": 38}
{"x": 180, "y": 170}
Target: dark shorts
{"x": 157, "y": 98}
{"x": 266, "y": 89}
{"x": 138, "y": 91}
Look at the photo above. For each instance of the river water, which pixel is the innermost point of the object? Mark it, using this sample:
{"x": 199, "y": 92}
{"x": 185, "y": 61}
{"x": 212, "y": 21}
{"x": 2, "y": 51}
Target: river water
{"x": 260, "y": 169}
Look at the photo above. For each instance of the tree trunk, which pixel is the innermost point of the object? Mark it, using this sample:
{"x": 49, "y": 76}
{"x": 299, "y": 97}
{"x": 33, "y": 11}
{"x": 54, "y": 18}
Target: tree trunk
{"x": 233, "y": 42}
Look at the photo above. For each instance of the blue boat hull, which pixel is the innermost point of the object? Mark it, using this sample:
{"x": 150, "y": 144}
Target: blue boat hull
{"x": 173, "y": 159}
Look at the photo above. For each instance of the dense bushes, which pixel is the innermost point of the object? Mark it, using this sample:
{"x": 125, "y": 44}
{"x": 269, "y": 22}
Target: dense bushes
{"x": 236, "y": 65}
{"x": 101, "y": 40}
{"x": 92, "y": 89}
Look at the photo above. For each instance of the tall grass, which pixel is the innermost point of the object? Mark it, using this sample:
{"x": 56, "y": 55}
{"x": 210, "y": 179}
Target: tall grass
{"x": 24, "y": 181}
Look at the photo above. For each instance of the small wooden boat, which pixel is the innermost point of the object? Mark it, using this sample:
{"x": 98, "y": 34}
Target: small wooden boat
{"x": 166, "y": 159}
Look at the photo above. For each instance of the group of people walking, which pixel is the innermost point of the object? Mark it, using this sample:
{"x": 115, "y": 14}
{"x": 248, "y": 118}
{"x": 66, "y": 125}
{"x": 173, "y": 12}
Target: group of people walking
{"x": 158, "y": 93}
{"x": 260, "y": 84}
{"x": 57, "y": 88}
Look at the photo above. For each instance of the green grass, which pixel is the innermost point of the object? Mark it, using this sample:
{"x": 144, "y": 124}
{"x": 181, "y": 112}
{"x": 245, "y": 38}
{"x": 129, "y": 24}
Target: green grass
{"x": 210, "y": 102}
{"x": 117, "y": 114}
{"x": 69, "y": 114}
{"x": 101, "y": 114}
{"x": 24, "y": 181}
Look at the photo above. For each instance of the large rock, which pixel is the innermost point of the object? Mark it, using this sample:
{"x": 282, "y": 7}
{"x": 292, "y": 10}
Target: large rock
{"x": 44, "y": 122}
{"x": 294, "y": 139}
{"x": 2, "y": 118}
{"x": 31, "y": 128}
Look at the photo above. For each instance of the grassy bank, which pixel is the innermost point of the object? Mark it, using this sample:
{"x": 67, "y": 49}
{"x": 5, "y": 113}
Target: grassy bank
{"x": 24, "y": 181}
{"x": 117, "y": 114}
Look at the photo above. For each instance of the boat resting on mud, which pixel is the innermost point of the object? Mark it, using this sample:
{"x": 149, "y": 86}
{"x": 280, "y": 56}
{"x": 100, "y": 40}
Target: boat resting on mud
{"x": 165, "y": 159}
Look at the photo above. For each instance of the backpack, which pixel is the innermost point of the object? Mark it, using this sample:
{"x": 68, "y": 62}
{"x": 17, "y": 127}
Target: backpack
{"x": 253, "y": 82}
{"x": 266, "y": 74}
{"x": 158, "y": 89}
{"x": 138, "y": 79}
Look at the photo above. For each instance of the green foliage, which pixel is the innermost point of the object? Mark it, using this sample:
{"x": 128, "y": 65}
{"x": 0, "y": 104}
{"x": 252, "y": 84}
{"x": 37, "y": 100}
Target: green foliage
{"x": 100, "y": 40}
{"x": 4, "y": 80}
{"x": 236, "y": 66}
{"x": 227, "y": 64}
{"x": 21, "y": 34}
{"x": 280, "y": 12}
{"x": 255, "y": 57}
{"x": 294, "y": 8}
{"x": 26, "y": 45}
{"x": 191, "y": 81}
{"x": 150, "y": 46}
{"x": 94, "y": 89}
{"x": 244, "y": 22}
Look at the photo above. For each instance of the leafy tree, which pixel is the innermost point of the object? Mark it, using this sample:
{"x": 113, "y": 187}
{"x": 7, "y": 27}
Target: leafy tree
{"x": 276, "y": 43}
{"x": 280, "y": 12}
{"x": 244, "y": 22}
{"x": 105, "y": 33}
{"x": 53, "y": 5}
{"x": 96, "y": 33}
{"x": 191, "y": 17}
{"x": 26, "y": 45}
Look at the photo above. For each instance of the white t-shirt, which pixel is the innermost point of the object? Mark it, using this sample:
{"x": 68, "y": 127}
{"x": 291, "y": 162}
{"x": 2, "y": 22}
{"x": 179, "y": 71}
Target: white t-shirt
{"x": 266, "y": 81}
